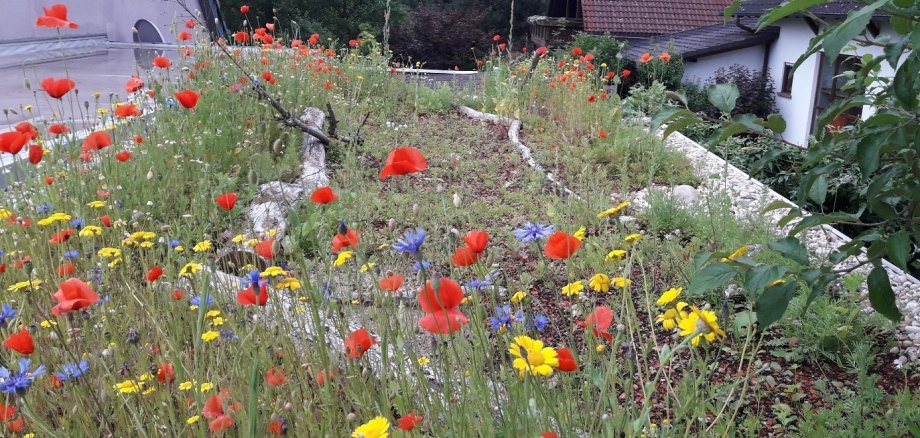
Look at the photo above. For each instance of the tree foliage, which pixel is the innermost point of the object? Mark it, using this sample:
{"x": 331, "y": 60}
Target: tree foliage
{"x": 885, "y": 147}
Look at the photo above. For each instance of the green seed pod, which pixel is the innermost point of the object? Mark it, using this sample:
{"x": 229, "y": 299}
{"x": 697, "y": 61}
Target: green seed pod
{"x": 252, "y": 176}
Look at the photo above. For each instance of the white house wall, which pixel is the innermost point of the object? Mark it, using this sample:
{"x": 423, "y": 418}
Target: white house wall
{"x": 797, "y": 107}
{"x": 703, "y": 69}
{"x": 113, "y": 18}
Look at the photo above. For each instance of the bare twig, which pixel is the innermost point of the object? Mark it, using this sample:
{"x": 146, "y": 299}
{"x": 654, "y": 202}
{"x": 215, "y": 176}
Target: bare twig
{"x": 333, "y": 122}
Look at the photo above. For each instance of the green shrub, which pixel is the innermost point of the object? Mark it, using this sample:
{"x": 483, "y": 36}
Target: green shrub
{"x": 756, "y": 88}
{"x": 605, "y": 48}
{"x": 668, "y": 72}
{"x": 646, "y": 101}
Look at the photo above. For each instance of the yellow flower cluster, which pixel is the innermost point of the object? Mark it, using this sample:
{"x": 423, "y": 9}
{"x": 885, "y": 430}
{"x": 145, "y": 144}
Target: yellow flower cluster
{"x": 692, "y": 322}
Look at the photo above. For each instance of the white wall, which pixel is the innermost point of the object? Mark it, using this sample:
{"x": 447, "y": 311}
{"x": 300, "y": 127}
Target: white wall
{"x": 703, "y": 69}
{"x": 797, "y": 108}
{"x": 114, "y": 18}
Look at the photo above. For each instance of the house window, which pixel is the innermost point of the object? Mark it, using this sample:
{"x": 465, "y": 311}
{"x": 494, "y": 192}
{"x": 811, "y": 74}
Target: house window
{"x": 830, "y": 89}
{"x": 786, "y": 89}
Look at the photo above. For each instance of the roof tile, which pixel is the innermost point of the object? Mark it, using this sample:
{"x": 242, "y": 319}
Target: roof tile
{"x": 650, "y": 17}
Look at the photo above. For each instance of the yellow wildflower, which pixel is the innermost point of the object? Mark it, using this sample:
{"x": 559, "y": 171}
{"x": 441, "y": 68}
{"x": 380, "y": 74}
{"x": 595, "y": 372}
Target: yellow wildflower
{"x": 669, "y": 296}
{"x": 289, "y": 283}
{"x": 617, "y": 254}
{"x": 5, "y": 214}
{"x": 573, "y": 288}
{"x": 127, "y": 387}
{"x": 343, "y": 257}
{"x": 91, "y": 231}
{"x": 424, "y": 360}
{"x": 186, "y": 385}
{"x": 740, "y": 252}
{"x": 600, "y": 283}
{"x": 620, "y": 281}
{"x": 210, "y": 335}
{"x": 115, "y": 262}
{"x": 190, "y": 268}
{"x": 205, "y": 387}
{"x": 531, "y": 356}
{"x": 56, "y": 217}
{"x": 239, "y": 238}
{"x": 700, "y": 324}
{"x": 109, "y": 253}
{"x": 580, "y": 234}
{"x": 32, "y": 284}
{"x": 193, "y": 419}
{"x": 273, "y": 271}
{"x": 376, "y": 428}
{"x": 632, "y": 238}
{"x": 367, "y": 266}
{"x": 203, "y": 246}
{"x": 96, "y": 204}
{"x": 614, "y": 211}
{"x": 518, "y": 296}
{"x": 212, "y": 314}
{"x": 48, "y": 323}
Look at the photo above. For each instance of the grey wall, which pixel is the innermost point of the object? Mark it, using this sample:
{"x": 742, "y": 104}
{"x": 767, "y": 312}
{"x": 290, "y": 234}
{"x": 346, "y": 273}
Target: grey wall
{"x": 114, "y": 18}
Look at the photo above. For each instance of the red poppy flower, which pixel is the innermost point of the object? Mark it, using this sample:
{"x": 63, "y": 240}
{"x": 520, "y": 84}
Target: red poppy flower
{"x": 602, "y": 134}
{"x": 191, "y": 23}
{"x": 134, "y": 84}
{"x": 162, "y": 62}
{"x": 275, "y": 377}
{"x": 61, "y": 236}
{"x": 227, "y": 200}
{"x": 154, "y": 273}
{"x": 244, "y": 9}
{"x": 35, "y": 153}
{"x": 264, "y": 249}
{"x": 646, "y": 57}
{"x": 463, "y": 257}
{"x": 340, "y": 241}
{"x": 166, "y": 373}
{"x": 184, "y": 36}
{"x": 576, "y": 51}
{"x": 477, "y": 240}
{"x": 592, "y": 98}
{"x": 403, "y": 161}
{"x": 665, "y": 56}
{"x": 323, "y": 195}
{"x": 314, "y": 39}
{"x": 409, "y": 421}
{"x": 7, "y": 412}
{"x": 49, "y": 180}
{"x": 248, "y": 297}
{"x": 214, "y": 411}
{"x": 138, "y": 139}
{"x": 12, "y": 142}
{"x": 442, "y": 316}
{"x": 188, "y": 98}
{"x": 106, "y": 220}
{"x": 541, "y": 51}
{"x": 358, "y": 342}
{"x": 566, "y": 360}
{"x": 625, "y": 73}
{"x": 497, "y": 38}
{"x": 129, "y": 110}
{"x": 55, "y": 17}
{"x": 549, "y": 434}
{"x": 66, "y": 269}
{"x": 177, "y": 295}
{"x": 599, "y": 320}
{"x": 392, "y": 283}
{"x": 96, "y": 140}
{"x": 241, "y": 37}
{"x": 20, "y": 342}
{"x": 270, "y": 27}
{"x": 73, "y": 294}
{"x": 58, "y": 129}
{"x": 443, "y": 322}
{"x": 561, "y": 246}
{"x": 322, "y": 376}
{"x": 27, "y": 129}
{"x": 123, "y": 156}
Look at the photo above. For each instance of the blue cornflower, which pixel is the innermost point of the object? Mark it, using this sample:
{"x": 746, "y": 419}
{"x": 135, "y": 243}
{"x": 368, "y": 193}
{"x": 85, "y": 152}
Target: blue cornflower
{"x": 44, "y": 208}
{"x": 72, "y": 254}
{"x": 424, "y": 264}
{"x": 120, "y": 203}
{"x": 411, "y": 242}
{"x": 538, "y": 323}
{"x": 174, "y": 243}
{"x": 196, "y": 300}
{"x": 254, "y": 278}
{"x": 1, "y": 253}
{"x": 72, "y": 371}
{"x": 533, "y": 232}
{"x": 478, "y": 284}
{"x": 171, "y": 102}
{"x": 283, "y": 264}
{"x": 7, "y": 312}
{"x": 228, "y": 334}
{"x": 77, "y": 223}
{"x": 13, "y": 382}
{"x": 503, "y": 318}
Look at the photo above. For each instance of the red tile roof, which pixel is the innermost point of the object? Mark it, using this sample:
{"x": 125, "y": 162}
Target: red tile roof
{"x": 650, "y": 17}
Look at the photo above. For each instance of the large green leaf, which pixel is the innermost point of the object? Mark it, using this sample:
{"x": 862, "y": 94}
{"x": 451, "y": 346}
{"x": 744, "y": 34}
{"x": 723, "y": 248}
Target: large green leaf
{"x": 761, "y": 276}
{"x": 899, "y": 248}
{"x": 723, "y": 96}
{"x": 880, "y": 294}
{"x": 666, "y": 114}
{"x": 843, "y": 34}
{"x": 906, "y": 83}
{"x": 786, "y": 9}
{"x": 773, "y": 302}
{"x": 712, "y": 276}
{"x": 867, "y": 153}
{"x": 792, "y": 249}
{"x": 817, "y": 191}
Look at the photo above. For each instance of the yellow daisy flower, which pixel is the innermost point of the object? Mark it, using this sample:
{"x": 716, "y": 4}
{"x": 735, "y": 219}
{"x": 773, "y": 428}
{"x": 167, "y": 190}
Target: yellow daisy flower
{"x": 573, "y": 288}
{"x": 600, "y": 283}
{"x": 530, "y": 356}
